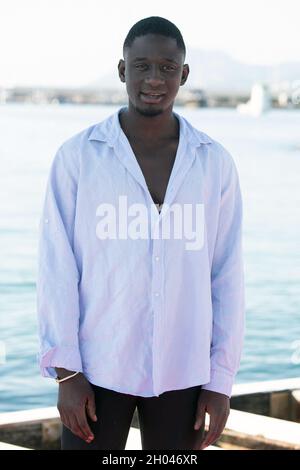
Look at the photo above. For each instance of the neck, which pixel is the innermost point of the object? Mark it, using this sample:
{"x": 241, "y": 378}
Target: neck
{"x": 137, "y": 126}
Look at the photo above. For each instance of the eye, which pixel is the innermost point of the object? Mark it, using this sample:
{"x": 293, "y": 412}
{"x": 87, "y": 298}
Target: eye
{"x": 169, "y": 67}
{"x": 139, "y": 66}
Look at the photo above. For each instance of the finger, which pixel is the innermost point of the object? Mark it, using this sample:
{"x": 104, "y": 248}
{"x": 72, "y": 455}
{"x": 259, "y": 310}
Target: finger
{"x": 199, "y": 436}
{"x": 91, "y": 407}
{"x": 75, "y": 428}
{"x": 213, "y": 425}
{"x": 83, "y": 424}
{"x": 215, "y": 430}
{"x": 65, "y": 420}
{"x": 209, "y": 441}
{"x": 85, "y": 436}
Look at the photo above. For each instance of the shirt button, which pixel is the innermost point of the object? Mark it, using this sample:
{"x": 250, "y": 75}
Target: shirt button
{"x": 46, "y": 220}
{"x": 156, "y": 258}
{"x": 156, "y": 294}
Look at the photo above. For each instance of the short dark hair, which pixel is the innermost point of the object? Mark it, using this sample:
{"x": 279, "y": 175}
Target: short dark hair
{"x": 154, "y": 25}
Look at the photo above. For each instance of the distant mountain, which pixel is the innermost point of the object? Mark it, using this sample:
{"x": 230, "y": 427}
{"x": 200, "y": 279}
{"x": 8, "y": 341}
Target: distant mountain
{"x": 215, "y": 71}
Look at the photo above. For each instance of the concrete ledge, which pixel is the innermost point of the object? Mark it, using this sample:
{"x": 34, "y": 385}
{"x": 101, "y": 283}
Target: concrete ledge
{"x": 134, "y": 441}
{"x": 261, "y": 432}
{"x": 266, "y": 386}
{"x": 273, "y": 398}
{"x": 40, "y": 429}
{"x": 5, "y": 446}
{"x": 27, "y": 416}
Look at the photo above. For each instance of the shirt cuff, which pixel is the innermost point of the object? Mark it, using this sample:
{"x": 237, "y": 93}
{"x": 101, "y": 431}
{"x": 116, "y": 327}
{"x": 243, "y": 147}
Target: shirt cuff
{"x": 66, "y": 357}
{"x": 220, "y": 382}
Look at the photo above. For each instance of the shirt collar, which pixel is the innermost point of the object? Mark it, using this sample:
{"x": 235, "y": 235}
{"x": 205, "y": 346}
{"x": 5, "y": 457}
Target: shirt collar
{"x": 109, "y": 130}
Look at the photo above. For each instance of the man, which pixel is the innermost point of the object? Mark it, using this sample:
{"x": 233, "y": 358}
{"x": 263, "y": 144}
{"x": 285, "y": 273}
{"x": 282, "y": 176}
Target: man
{"x": 132, "y": 315}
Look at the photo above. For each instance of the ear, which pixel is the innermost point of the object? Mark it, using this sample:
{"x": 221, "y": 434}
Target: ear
{"x": 121, "y": 69}
{"x": 185, "y": 74}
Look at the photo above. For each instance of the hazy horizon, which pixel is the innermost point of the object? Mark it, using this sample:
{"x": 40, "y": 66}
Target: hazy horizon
{"x": 69, "y": 43}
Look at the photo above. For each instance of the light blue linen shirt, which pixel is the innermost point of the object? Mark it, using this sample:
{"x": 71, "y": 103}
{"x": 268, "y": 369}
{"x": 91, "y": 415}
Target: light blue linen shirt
{"x": 141, "y": 315}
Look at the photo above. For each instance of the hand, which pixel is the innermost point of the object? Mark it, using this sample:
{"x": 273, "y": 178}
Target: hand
{"x": 217, "y": 406}
{"x": 76, "y": 398}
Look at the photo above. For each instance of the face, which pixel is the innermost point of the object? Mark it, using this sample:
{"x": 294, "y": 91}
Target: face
{"x": 153, "y": 71}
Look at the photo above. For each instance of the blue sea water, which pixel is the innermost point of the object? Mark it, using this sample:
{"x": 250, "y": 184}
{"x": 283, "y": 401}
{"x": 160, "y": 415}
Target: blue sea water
{"x": 267, "y": 154}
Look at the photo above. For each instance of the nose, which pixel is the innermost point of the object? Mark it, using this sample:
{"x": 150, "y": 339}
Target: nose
{"x": 154, "y": 77}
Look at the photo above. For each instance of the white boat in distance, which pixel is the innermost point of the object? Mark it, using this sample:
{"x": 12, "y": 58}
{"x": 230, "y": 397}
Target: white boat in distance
{"x": 259, "y": 103}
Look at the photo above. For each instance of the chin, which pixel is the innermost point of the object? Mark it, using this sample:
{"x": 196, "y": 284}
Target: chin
{"x": 148, "y": 111}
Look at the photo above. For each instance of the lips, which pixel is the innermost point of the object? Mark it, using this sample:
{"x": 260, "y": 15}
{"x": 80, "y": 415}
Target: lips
{"x": 151, "y": 97}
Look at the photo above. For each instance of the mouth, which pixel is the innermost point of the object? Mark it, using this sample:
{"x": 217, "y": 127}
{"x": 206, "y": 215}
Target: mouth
{"x": 152, "y": 97}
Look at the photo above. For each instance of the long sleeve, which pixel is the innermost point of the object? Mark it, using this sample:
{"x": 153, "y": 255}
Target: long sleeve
{"x": 227, "y": 285}
{"x": 57, "y": 273}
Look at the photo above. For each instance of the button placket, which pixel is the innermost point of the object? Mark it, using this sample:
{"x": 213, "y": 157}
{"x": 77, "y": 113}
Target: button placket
{"x": 157, "y": 308}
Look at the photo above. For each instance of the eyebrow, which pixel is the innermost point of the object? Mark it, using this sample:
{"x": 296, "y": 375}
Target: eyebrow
{"x": 164, "y": 58}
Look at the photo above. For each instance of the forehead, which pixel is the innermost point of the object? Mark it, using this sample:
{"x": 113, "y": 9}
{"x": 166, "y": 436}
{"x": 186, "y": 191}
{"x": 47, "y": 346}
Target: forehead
{"x": 154, "y": 46}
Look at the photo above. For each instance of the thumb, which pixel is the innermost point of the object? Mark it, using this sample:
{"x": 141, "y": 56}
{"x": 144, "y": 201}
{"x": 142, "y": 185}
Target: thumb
{"x": 91, "y": 407}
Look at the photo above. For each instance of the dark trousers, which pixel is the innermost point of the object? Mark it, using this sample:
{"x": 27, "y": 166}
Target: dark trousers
{"x": 166, "y": 422}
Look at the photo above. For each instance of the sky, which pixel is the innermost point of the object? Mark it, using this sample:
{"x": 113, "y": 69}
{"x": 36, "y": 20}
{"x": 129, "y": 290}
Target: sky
{"x": 74, "y": 42}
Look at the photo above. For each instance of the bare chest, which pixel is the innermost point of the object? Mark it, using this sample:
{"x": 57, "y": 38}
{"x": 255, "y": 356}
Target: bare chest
{"x": 156, "y": 163}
